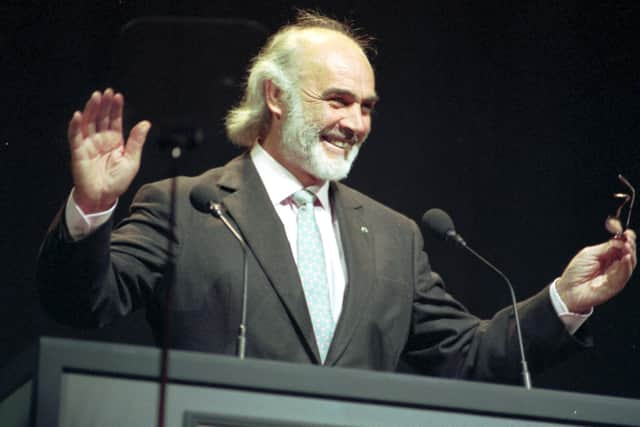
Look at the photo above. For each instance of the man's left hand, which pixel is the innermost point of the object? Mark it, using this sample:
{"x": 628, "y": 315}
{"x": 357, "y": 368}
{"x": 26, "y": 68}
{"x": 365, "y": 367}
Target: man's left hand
{"x": 597, "y": 273}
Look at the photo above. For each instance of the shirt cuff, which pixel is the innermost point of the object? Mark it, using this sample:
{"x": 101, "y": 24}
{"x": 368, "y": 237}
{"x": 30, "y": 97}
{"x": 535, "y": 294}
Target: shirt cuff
{"x": 572, "y": 321}
{"x": 79, "y": 224}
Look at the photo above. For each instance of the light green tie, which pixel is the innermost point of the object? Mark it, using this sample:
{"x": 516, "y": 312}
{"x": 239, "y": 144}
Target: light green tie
{"x": 313, "y": 273}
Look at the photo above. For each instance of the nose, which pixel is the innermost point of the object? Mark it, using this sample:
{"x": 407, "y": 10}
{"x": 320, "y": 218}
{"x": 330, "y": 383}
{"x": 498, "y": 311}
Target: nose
{"x": 356, "y": 123}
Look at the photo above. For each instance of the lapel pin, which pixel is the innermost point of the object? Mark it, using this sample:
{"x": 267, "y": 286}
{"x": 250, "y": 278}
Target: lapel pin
{"x": 364, "y": 229}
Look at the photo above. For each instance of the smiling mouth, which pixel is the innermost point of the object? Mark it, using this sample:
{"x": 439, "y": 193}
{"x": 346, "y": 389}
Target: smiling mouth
{"x": 338, "y": 143}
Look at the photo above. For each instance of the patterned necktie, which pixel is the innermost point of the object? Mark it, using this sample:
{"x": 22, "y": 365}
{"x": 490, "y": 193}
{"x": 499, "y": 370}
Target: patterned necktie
{"x": 313, "y": 273}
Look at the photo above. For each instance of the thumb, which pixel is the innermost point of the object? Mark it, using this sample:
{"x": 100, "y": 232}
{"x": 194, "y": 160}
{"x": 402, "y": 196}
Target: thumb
{"x": 620, "y": 271}
{"x": 587, "y": 262}
{"x": 137, "y": 137}
{"x": 605, "y": 248}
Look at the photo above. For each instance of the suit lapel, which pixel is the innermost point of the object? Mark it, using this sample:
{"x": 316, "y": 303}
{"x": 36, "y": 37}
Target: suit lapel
{"x": 357, "y": 242}
{"x": 248, "y": 204}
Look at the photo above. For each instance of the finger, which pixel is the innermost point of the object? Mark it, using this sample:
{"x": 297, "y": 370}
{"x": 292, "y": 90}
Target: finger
{"x": 74, "y": 133}
{"x": 136, "y": 140}
{"x": 618, "y": 250}
{"x": 103, "y": 116}
{"x": 631, "y": 247}
{"x": 630, "y": 236}
{"x": 115, "y": 114}
{"x": 89, "y": 114}
{"x": 634, "y": 256}
{"x": 619, "y": 272}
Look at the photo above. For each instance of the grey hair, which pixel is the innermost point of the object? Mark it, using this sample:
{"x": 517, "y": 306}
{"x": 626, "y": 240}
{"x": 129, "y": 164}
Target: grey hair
{"x": 277, "y": 61}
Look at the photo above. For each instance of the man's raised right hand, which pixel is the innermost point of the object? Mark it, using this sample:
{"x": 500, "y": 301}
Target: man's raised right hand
{"x": 102, "y": 165}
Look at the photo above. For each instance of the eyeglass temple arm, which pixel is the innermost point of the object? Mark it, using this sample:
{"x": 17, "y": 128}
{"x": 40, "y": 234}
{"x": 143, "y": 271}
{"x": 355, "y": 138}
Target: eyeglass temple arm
{"x": 633, "y": 197}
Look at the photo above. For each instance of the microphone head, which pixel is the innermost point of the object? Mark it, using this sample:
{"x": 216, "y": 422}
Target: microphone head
{"x": 202, "y": 196}
{"x": 439, "y": 223}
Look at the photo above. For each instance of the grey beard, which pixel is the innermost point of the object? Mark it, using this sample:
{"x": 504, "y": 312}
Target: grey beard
{"x": 301, "y": 145}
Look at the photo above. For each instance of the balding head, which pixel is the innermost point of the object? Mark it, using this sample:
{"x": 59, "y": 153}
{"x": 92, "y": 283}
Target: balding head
{"x": 285, "y": 58}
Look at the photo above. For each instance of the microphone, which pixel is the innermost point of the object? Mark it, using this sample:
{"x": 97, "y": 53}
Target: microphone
{"x": 440, "y": 224}
{"x": 204, "y": 198}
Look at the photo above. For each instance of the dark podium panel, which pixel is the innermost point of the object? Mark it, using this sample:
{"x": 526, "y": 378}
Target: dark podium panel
{"x": 74, "y": 383}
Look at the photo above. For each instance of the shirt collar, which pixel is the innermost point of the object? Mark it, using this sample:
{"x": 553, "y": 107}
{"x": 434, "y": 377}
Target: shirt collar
{"x": 279, "y": 182}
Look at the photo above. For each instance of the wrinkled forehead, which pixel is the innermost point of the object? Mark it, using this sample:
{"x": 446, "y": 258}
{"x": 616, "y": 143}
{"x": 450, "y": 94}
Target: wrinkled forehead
{"x": 327, "y": 57}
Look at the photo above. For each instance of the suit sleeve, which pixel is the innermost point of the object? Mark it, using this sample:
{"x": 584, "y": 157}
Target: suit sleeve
{"x": 446, "y": 340}
{"x": 106, "y": 275}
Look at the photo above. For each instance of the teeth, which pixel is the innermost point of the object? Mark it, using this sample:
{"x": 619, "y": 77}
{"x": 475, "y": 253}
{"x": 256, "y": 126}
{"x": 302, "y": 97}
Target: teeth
{"x": 340, "y": 144}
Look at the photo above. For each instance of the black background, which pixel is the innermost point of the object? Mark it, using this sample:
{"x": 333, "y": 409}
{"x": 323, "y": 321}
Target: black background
{"x": 513, "y": 116}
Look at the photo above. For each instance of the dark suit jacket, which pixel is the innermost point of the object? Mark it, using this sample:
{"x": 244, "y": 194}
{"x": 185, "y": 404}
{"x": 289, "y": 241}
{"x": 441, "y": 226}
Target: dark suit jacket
{"x": 395, "y": 308}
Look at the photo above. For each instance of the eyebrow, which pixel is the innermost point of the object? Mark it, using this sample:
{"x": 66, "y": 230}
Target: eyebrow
{"x": 344, "y": 92}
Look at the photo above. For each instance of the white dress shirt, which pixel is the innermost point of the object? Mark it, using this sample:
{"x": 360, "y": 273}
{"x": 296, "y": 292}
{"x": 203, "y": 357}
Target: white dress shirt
{"x": 281, "y": 185}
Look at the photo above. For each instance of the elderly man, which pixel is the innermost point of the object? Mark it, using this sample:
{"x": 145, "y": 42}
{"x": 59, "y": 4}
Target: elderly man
{"x": 335, "y": 277}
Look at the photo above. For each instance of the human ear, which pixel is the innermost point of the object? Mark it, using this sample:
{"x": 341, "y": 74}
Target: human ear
{"x": 273, "y": 98}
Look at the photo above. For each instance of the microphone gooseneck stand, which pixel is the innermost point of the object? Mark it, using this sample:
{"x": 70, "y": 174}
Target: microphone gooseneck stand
{"x": 204, "y": 198}
{"x": 217, "y": 210}
{"x": 526, "y": 377}
{"x": 441, "y": 225}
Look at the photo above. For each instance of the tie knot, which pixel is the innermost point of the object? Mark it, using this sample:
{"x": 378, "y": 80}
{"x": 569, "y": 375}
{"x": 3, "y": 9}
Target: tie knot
{"x": 303, "y": 198}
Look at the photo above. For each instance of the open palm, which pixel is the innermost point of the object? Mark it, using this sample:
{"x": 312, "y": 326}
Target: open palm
{"x": 102, "y": 165}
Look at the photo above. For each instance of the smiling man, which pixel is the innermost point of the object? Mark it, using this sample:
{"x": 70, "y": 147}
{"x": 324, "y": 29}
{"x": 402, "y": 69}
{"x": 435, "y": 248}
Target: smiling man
{"x": 335, "y": 278}
{"x": 327, "y": 115}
